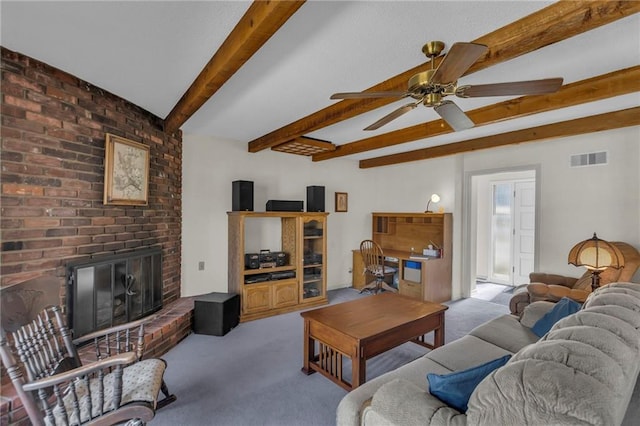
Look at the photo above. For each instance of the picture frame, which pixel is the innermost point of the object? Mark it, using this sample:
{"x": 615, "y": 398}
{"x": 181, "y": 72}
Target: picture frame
{"x": 126, "y": 172}
{"x": 342, "y": 202}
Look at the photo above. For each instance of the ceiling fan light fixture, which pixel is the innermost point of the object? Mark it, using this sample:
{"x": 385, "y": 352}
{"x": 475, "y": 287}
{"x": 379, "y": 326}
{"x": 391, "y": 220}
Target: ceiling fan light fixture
{"x": 432, "y": 99}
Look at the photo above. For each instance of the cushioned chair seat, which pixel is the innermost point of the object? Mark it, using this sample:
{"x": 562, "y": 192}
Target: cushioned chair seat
{"x": 141, "y": 381}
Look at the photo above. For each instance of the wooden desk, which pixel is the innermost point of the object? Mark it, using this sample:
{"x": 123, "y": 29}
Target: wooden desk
{"x": 435, "y": 276}
{"x": 363, "y": 328}
{"x": 400, "y": 233}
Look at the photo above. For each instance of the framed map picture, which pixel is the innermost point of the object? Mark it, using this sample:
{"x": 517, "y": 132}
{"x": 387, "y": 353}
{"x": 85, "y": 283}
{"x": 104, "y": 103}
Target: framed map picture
{"x": 126, "y": 172}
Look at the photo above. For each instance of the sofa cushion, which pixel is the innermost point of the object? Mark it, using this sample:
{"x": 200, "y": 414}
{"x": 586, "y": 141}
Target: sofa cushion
{"x": 505, "y": 332}
{"x": 466, "y": 352}
{"x": 625, "y": 331}
{"x": 540, "y": 392}
{"x": 618, "y": 299}
{"x": 400, "y": 402}
{"x": 456, "y": 388}
{"x": 561, "y": 309}
{"x": 534, "y": 311}
{"x": 626, "y": 315}
{"x": 350, "y": 407}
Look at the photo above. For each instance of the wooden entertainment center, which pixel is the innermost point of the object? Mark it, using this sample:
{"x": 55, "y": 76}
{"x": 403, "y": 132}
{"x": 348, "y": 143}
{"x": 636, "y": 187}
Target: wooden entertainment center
{"x": 402, "y": 237}
{"x": 300, "y": 283}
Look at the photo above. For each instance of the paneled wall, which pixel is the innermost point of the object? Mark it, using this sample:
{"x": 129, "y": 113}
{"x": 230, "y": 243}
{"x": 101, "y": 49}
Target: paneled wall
{"x": 53, "y": 138}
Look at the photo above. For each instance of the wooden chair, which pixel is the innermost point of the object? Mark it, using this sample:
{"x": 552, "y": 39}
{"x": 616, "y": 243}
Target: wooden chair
{"x": 373, "y": 258}
{"x": 57, "y": 388}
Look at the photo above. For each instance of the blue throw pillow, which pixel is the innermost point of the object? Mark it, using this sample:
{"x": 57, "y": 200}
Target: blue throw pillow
{"x": 563, "y": 308}
{"x": 455, "y": 389}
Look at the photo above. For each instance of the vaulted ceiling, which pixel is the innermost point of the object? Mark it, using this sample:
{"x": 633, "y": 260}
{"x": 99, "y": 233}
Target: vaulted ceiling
{"x": 261, "y": 73}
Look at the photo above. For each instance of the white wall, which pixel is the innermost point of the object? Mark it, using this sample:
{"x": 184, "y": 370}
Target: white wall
{"x": 574, "y": 202}
{"x": 209, "y": 167}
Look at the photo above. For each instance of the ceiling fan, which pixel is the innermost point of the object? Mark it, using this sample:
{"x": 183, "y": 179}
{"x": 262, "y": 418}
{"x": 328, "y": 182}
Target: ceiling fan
{"x": 432, "y": 86}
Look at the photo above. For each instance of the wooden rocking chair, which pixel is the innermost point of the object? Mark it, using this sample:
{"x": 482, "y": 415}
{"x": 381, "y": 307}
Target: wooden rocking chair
{"x": 59, "y": 389}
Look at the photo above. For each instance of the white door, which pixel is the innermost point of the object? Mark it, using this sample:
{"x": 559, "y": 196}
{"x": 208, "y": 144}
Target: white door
{"x": 512, "y": 231}
{"x": 524, "y": 231}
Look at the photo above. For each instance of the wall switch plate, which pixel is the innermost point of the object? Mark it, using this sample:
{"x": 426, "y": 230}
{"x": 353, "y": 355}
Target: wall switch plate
{"x": 201, "y": 266}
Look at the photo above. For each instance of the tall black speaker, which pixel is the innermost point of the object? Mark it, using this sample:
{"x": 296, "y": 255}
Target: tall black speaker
{"x": 315, "y": 198}
{"x": 242, "y": 199}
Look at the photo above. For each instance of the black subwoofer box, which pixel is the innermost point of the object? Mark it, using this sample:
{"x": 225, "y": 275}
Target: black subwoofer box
{"x": 242, "y": 195}
{"x": 216, "y": 313}
{"x": 315, "y": 198}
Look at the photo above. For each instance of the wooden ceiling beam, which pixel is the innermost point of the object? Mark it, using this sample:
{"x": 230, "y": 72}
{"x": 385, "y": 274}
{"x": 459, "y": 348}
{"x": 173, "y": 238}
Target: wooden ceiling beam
{"x": 595, "y": 123}
{"x": 552, "y": 24}
{"x": 257, "y": 25}
{"x": 605, "y": 86}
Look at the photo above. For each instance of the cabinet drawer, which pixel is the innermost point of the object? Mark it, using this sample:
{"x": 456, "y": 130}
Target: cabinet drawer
{"x": 410, "y": 289}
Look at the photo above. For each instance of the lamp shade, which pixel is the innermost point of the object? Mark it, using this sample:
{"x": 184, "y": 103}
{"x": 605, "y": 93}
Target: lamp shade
{"x": 596, "y": 255}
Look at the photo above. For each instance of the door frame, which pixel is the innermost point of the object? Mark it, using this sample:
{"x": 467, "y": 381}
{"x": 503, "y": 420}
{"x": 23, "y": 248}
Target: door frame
{"x": 469, "y": 233}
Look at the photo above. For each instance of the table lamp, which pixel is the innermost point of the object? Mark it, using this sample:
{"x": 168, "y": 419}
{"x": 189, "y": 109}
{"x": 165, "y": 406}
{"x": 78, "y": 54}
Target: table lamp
{"x": 435, "y": 198}
{"x": 596, "y": 255}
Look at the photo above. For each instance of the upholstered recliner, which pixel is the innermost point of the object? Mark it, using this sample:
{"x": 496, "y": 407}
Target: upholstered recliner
{"x": 552, "y": 287}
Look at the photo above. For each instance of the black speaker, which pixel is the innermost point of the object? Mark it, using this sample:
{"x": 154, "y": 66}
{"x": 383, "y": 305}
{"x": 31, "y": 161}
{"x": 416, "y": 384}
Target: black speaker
{"x": 215, "y": 313}
{"x": 251, "y": 261}
{"x": 315, "y": 198}
{"x": 242, "y": 199}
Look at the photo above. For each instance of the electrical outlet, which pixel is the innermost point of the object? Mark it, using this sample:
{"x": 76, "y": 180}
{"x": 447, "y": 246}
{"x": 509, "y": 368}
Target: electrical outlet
{"x": 201, "y": 266}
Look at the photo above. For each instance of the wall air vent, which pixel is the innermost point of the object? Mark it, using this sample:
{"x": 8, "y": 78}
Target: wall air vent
{"x": 590, "y": 159}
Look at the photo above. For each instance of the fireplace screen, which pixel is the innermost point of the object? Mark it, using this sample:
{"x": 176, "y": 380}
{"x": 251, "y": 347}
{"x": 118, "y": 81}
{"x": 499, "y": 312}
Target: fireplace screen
{"x": 113, "y": 290}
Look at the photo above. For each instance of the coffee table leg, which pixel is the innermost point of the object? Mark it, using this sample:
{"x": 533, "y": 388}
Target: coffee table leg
{"x": 309, "y": 350}
{"x": 438, "y": 334}
{"x": 358, "y": 370}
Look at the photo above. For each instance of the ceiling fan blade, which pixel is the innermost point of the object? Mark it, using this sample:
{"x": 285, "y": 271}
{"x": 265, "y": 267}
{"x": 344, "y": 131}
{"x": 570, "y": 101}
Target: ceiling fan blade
{"x": 365, "y": 95}
{"x": 454, "y": 116}
{"x": 530, "y": 87}
{"x": 457, "y": 61}
{"x": 393, "y": 115}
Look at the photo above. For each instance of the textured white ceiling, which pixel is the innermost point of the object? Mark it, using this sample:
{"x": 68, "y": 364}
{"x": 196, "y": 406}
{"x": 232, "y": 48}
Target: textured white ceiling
{"x": 150, "y": 52}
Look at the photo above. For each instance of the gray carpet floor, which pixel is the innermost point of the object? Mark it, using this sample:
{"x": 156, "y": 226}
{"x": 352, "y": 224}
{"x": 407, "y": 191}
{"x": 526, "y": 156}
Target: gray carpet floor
{"x": 496, "y": 293}
{"x": 251, "y": 376}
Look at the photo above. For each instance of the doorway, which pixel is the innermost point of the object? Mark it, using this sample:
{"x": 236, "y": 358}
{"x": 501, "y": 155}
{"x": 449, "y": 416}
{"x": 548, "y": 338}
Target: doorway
{"x": 501, "y": 229}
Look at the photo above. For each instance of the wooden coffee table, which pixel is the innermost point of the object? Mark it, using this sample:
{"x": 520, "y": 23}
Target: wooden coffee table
{"x": 363, "y": 328}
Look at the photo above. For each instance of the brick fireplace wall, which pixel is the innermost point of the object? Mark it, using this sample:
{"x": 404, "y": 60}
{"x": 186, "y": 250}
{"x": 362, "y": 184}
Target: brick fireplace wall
{"x": 53, "y": 139}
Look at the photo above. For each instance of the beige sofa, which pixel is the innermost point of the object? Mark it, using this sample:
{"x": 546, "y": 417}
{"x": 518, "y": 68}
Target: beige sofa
{"x": 583, "y": 371}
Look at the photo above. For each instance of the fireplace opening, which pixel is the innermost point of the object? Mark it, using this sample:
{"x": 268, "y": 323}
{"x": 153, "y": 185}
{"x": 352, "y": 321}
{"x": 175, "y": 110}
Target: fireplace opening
{"x": 113, "y": 290}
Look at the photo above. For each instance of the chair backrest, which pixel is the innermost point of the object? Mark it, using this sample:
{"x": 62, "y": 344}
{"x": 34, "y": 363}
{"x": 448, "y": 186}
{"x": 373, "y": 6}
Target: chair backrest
{"x": 43, "y": 347}
{"x": 372, "y": 256}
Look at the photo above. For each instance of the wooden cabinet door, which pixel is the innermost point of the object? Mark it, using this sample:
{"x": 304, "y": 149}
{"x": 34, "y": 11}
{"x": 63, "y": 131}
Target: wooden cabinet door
{"x": 257, "y": 297}
{"x": 285, "y": 294}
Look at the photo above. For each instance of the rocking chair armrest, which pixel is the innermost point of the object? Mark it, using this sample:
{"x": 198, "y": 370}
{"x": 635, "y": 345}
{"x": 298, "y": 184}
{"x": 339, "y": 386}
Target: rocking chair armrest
{"x": 101, "y": 333}
{"x": 120, "y": 359}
